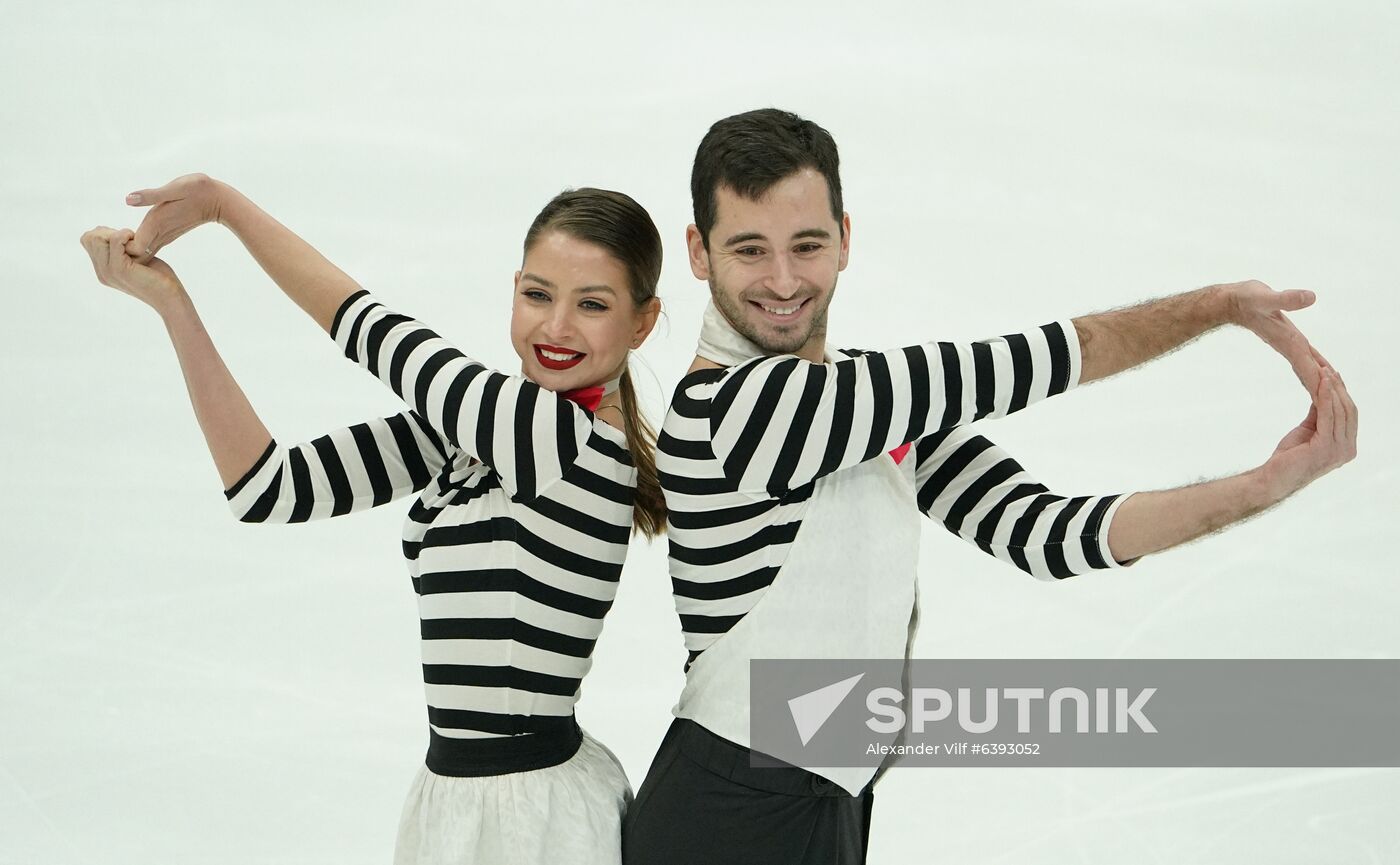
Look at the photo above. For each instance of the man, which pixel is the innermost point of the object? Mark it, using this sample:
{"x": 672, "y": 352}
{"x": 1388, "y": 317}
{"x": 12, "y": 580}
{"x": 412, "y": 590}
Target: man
{"x": 793, "y": 474}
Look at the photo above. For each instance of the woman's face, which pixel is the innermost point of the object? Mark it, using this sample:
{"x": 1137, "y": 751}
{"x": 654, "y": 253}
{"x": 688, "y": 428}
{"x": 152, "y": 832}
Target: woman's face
{"x": 573, "y": 320}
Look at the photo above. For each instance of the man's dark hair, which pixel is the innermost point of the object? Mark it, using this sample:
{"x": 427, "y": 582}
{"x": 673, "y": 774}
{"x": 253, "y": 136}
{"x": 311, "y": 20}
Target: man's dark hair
{"x": 751, "y": 152}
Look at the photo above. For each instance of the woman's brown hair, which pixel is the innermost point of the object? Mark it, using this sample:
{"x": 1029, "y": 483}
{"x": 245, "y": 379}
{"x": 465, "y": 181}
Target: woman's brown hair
{"x": 623, "y": 227}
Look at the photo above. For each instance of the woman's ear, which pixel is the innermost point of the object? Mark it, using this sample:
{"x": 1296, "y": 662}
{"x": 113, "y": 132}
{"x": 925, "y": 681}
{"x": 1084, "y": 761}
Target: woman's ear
{"x": 646, "y": 320}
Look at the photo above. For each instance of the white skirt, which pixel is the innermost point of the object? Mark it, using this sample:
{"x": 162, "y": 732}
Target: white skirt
{"x": 570, "y": 813}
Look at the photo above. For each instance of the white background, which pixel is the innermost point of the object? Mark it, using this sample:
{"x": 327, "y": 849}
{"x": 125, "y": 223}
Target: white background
{"x": 175, "y": 686}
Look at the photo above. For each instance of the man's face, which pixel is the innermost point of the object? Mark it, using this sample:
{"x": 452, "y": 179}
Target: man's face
{"x": 772, "y": 263}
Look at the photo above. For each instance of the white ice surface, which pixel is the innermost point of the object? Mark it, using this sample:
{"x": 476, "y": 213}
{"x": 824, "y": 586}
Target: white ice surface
{"x": 178, "y": 687}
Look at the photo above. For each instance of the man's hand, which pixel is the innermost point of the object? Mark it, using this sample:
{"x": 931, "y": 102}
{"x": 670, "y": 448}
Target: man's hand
{"x": 154, "y": 284}
{"x": 180, "y": 205}
{"x": 1324, "y": 440}
{"x": 1120, "y": 339}
{"x": 1256, "y": 307}
{"x": 1151, "y": 521}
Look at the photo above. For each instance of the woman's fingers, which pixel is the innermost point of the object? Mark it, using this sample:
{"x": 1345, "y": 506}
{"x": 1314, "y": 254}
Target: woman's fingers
{"x": 148, "y": 239}
{"x": 147, "y": 197}
{"x": 178, "y": 206}
{"x": 151, "y": 234}
{"x": 106, "y": 248}
{"x": 92, "y": 244}
{"x": 117, "y": 260}
{"x": 96, "y": 242}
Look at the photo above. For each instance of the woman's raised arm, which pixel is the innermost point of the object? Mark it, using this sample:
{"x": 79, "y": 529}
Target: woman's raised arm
{"x": 343, "y": 471}
{"x": 305, "y": 275}
{"x": 233, "y": 431}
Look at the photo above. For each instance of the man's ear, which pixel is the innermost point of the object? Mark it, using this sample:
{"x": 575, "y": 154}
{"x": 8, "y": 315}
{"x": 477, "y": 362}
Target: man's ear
{"x": 699, "y": 255}
{"x": 845, "y": 240}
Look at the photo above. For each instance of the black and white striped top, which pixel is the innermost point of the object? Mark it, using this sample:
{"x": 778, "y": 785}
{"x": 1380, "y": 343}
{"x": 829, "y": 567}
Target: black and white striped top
{"x": 742, "y": 447}
{"x": 517, "y": 540}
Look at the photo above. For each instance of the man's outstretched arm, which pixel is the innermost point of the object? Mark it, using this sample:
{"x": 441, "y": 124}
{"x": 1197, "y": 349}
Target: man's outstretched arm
{"x": 1120, "y": 339}
{"x": 1151, "y": 521}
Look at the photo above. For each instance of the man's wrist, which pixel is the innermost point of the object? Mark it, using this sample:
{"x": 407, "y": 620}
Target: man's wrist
{"x": 1267, "y": 487}
{"x": 1222, "y": 305}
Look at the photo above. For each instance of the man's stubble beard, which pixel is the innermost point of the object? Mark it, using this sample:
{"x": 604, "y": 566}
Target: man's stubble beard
{"x": 738, "y": 319}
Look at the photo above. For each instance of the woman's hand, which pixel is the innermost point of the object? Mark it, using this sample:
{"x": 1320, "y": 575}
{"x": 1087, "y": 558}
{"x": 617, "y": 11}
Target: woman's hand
{"x": 183, "y": 203}
{"x": 154, "y": 283}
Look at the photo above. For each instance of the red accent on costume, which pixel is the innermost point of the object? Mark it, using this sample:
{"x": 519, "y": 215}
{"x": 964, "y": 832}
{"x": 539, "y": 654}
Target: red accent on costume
{"x": 589, "y": 397}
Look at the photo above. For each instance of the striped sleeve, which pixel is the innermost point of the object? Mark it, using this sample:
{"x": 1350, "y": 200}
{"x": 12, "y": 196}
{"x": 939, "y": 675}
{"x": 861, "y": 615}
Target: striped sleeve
{"x": 778, "y": 423}
{"x": 527, "y": 434}
{"x": 351, "y": 469}
{"x": 982, "y": 494}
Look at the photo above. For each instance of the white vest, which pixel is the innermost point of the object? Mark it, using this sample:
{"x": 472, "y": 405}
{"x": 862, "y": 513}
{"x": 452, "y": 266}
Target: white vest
{"x": 846, "y": 590}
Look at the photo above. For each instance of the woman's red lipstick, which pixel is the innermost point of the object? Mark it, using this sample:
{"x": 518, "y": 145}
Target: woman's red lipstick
{"x": 550, "y": 363}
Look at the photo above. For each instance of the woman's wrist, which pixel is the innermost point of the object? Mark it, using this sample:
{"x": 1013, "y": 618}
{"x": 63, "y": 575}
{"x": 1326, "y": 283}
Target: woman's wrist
{"x": 228, "y": 205}
{"x": 174, "y": 306}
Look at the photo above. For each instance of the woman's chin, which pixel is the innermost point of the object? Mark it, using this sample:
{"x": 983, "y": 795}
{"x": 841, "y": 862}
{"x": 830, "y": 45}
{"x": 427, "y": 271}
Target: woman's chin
{"x": 555, "y": 380}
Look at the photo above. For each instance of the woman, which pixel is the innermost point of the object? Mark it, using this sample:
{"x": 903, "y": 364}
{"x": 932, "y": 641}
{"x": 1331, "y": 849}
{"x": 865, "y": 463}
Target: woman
{"x": 529, "y": 490}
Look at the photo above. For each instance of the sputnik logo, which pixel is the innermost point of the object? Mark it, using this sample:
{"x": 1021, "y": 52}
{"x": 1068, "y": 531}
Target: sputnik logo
{"x": 811, "y": 710}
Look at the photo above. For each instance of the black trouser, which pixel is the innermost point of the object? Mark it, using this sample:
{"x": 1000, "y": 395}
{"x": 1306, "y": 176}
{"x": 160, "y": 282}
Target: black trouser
{"x": 703, "y": 803}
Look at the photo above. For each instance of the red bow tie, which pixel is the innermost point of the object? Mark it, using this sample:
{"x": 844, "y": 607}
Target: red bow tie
{"x": 588, "y": 397}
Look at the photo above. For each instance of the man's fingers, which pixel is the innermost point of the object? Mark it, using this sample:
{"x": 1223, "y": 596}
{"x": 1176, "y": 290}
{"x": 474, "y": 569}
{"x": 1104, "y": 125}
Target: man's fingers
{"x": 1295, "y": 298}
{"x": 1310, "y": 422}
{"x": 1339, "y": 428}
{"x": 1290, "y": 342}
{"x": 1326, "y": 409}
{"x": 1317, "y": 356}
{"x": 1351, "y": 415}
{"x": 1324, "y": 362}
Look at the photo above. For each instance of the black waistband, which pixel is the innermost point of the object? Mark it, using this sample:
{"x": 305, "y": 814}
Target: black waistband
{"x": 501, "y": 755}
{"x": 750, "y": 768}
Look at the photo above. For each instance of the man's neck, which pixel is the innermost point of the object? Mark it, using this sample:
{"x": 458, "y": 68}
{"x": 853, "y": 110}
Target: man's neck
{"x": 817, "y": 355}
{"x": 702, "y": 363}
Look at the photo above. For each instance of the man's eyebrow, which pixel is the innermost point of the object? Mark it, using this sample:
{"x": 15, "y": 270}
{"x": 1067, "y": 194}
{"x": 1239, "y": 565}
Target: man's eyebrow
{"x": 744, "y": 237}
{"x": 583, "y": 288}
{"x": 818, "y": 233}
